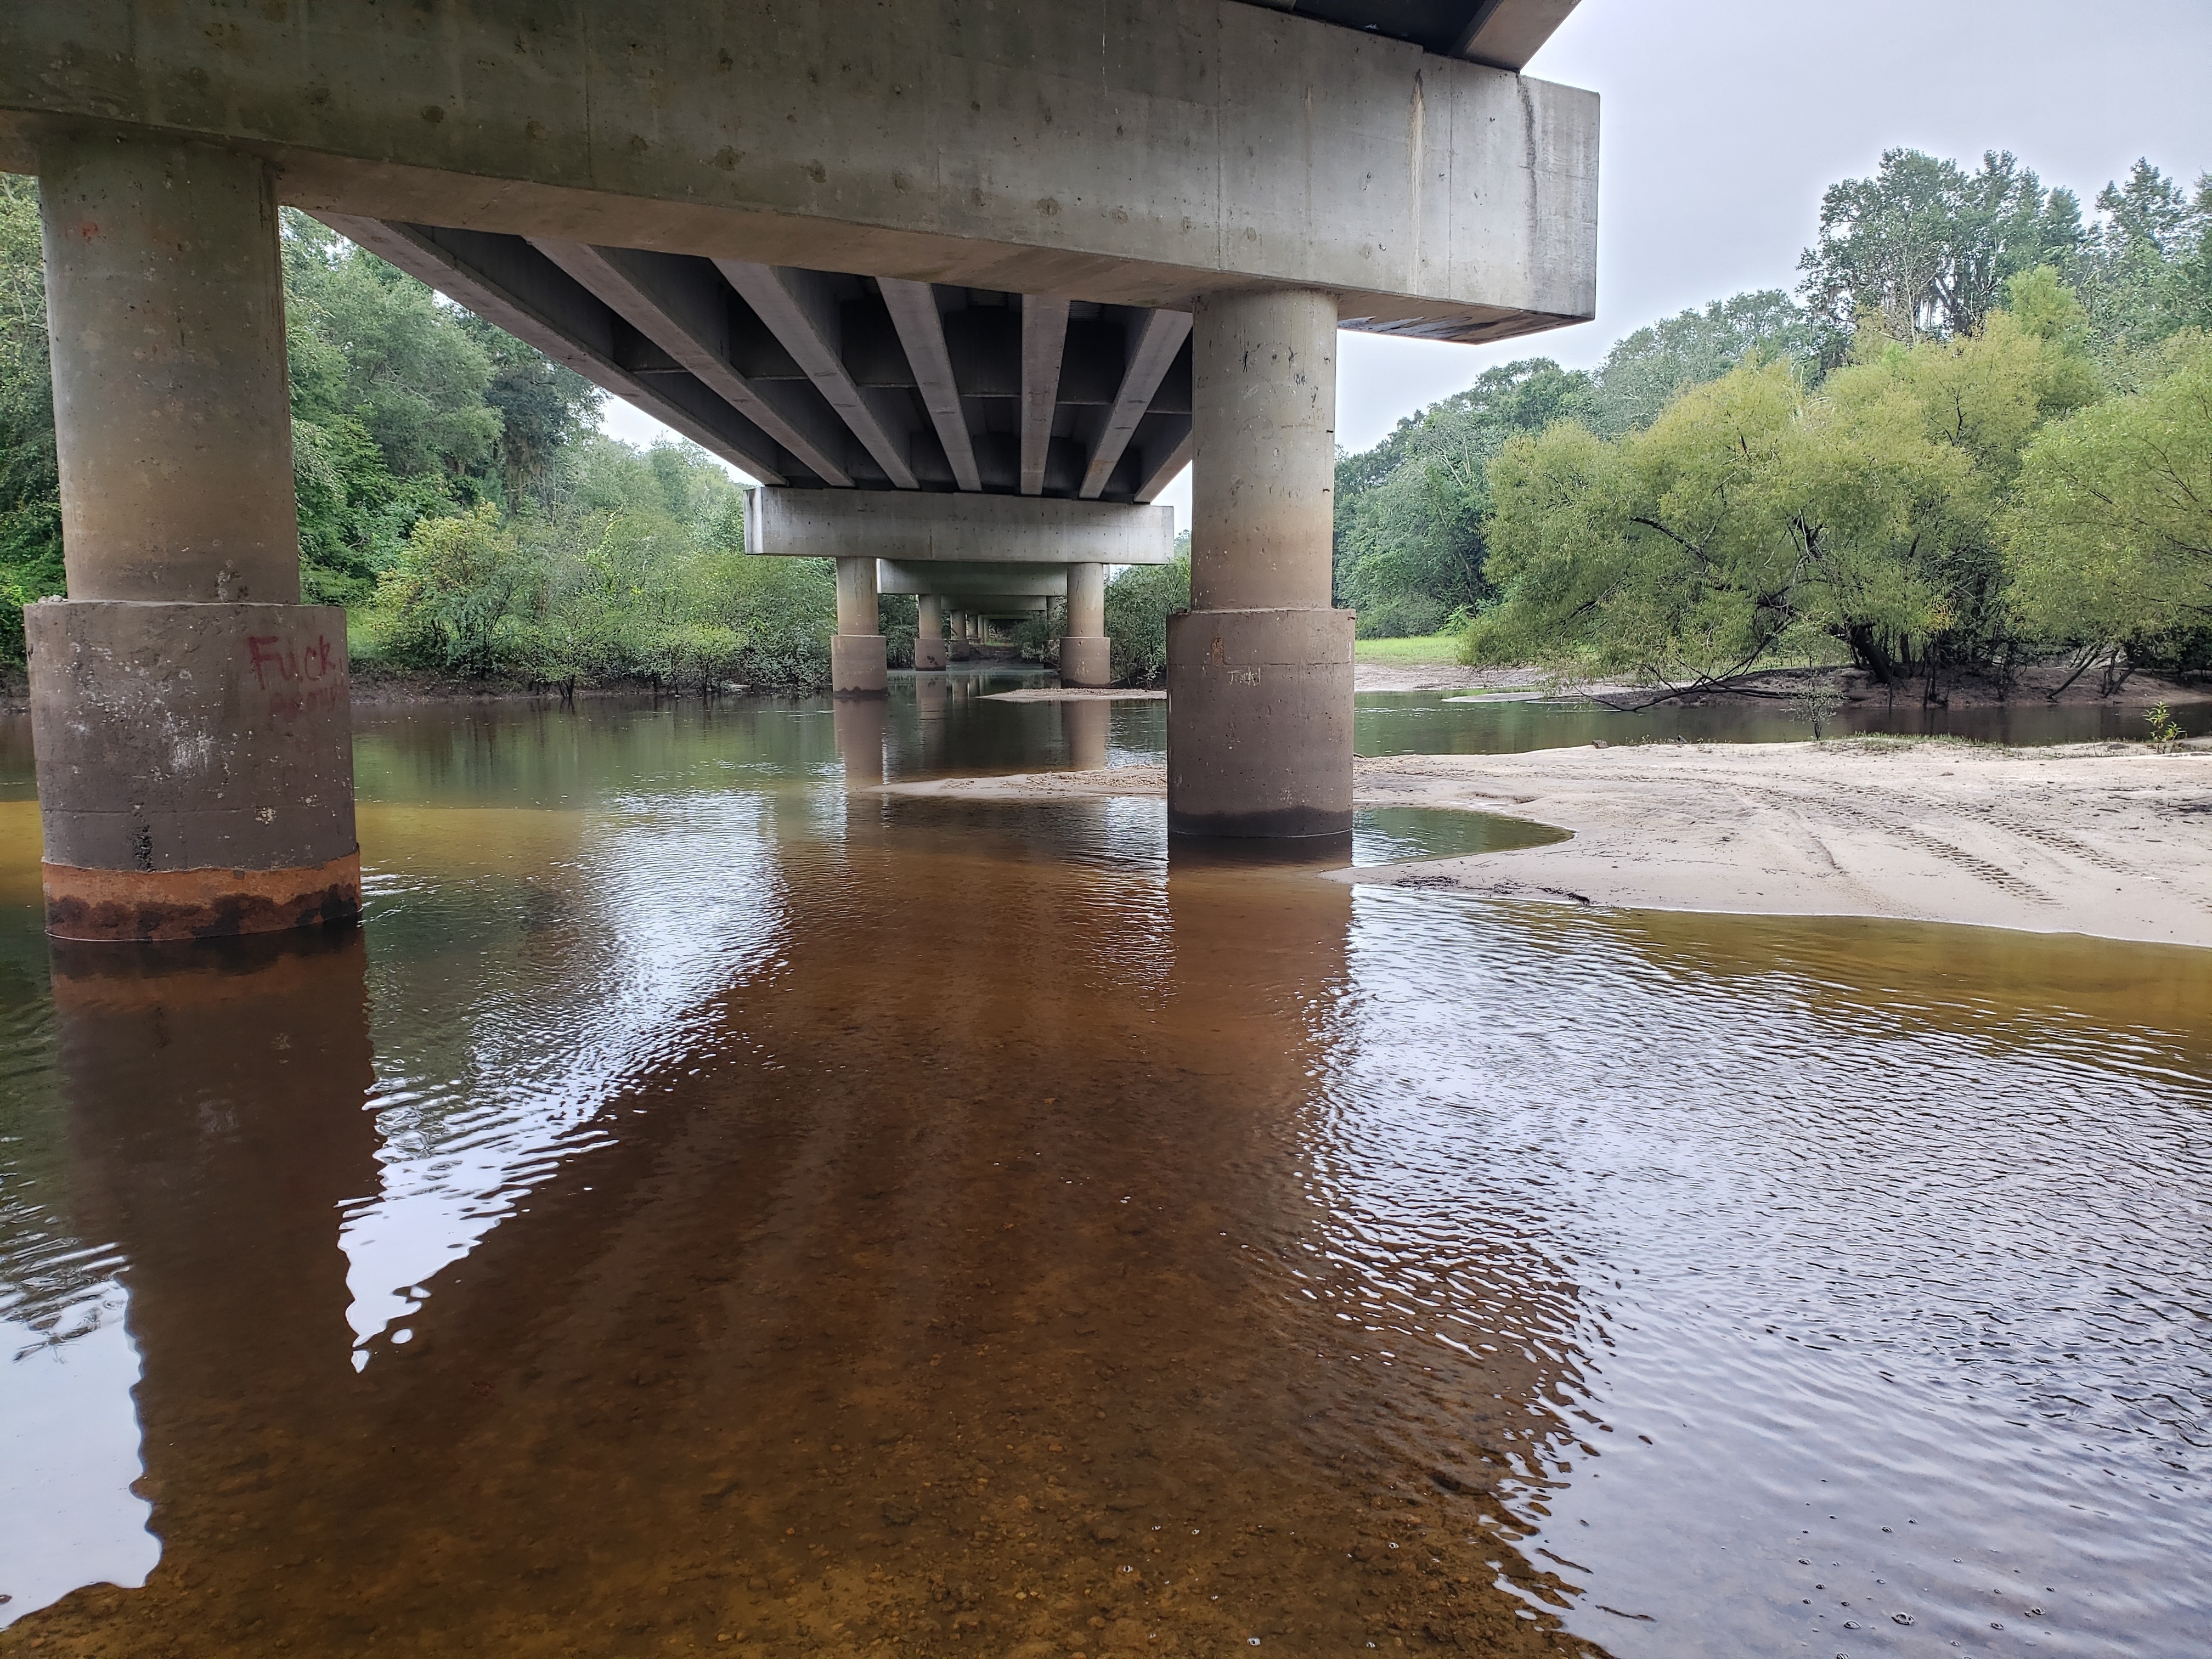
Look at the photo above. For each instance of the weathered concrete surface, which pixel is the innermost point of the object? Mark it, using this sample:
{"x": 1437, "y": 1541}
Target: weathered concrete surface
{"x": 929, "y": 633}
{"x": 1086, "y": 655}
{"x": 856, "y": 650}
{"x": 195, "y": 767}
{"x": 1263, "y": 475}
{"x": 857, "y": 665}
{"x": 190, "y": 719}
{"x": 171, "y": 412}
{"x": 1260, "y": 723}
{"x": 967, "y": 581}
{"x": 909, "y": 527}
{"x": 1151, "y": 155}
{"x": 1086, "y": 661}
{"x": 133, "y": 906}
{"x": 1259, "y": 667}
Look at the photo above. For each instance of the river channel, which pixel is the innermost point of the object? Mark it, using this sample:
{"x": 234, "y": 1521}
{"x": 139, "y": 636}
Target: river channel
{"x": 713, "y": 1207}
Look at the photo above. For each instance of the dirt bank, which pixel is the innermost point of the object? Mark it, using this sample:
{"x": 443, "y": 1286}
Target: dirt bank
{"x": 2106, "y": 839}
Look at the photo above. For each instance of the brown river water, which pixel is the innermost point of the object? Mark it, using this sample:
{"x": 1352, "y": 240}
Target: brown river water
{"x": 710, "y": 1207}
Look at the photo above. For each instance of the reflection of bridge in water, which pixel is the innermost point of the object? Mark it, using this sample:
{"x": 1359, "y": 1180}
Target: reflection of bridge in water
{"x": 964, "y": 287}
{"x": 888, "y": 1297}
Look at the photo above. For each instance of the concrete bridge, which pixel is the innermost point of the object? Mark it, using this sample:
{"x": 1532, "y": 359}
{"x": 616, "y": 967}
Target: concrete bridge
{"x": 964, "y": 283}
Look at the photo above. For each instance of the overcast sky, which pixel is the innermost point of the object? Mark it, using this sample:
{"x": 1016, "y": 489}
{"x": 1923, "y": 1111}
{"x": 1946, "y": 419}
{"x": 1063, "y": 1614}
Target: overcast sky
{"x": 1724, "y": 119}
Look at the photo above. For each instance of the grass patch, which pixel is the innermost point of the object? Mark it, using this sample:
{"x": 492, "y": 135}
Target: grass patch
{"x": 1440, "y": 649}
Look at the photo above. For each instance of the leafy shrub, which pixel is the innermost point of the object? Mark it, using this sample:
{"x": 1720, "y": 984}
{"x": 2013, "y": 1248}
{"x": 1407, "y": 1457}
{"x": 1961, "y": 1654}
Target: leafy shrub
{"x": 1138, "y": 603}
{"x": 1401, "y": 616}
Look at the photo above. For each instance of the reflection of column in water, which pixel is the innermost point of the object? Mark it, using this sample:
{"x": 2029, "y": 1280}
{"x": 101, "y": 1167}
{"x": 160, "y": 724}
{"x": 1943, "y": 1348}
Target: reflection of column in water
{"x": 217, "y": 1129}
{"x": 1083, "y": 726}
{"x": 932, "y": 696}
{"x": 1372, "y": 1318}
{"x": 860, "y": 723}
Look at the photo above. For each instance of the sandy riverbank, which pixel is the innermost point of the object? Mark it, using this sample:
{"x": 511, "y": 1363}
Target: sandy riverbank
{"x": 2106, "y": 839}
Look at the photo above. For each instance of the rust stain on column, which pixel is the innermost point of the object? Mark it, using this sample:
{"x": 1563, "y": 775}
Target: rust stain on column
{"x": 189, "y": 904}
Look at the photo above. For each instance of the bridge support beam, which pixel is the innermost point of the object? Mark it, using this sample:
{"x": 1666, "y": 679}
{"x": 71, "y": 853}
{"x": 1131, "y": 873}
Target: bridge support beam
{"x": 190, "y": 717}
{"x": 1085, "y": 657}
{"x": 1260, "y": 666}
{"x": 929, "y": 633}
{"x": 856, "y": 651}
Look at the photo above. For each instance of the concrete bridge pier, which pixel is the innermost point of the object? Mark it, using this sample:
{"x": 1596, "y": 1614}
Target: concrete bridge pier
{"x": 856, "y": 651}
{"x": 1260, "y": 666}
{"x": 1084, "y": 656}
{"x": 190, "y": 717}
{"x": 929, "y": 633}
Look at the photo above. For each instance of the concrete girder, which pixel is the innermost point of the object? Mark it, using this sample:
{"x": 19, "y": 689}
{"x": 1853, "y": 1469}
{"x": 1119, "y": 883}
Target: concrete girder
{"x": 1044, "y": 342}
{"x": 506, "y": 280}
{"x": 1161, "y": 335}
{"x": 962, "y": 581}
{"x": 921, "y": 328}
{"x": 1161, "y": 467}
{"x": 1194, "y": 146}
{"x": 801, "y": 311}
{"x": 682, "y": 307}
{"x": 909, "y": 527}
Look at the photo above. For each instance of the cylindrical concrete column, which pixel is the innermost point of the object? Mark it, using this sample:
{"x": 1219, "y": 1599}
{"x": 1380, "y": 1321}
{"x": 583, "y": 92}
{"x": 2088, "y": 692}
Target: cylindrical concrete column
{"x": 1085, "y": 658}
{"x": 1260, "y": 666}
{"x": 929, "y": 633}
{"x": 191, "y": 718}
{"x": 856, "y": 653}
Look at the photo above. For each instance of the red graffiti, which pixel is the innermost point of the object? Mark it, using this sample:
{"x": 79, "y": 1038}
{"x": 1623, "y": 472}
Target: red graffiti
{"x": 87, "y": 230}
{"x": 309, "y": 665}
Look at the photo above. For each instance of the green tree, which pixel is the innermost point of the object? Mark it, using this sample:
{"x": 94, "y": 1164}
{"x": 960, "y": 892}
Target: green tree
{"x": 2146, "y": 269}
{"x": 30, "y": 483}
{"x": 1138, "y": 601}
{"x": 1924, "y": 248}
{"x": 1649, "y": 368}
{"x": 460, "y": 596}
{"x": 1409, "y": 543}
{"x": 2110, "y": 532}
{"x": 543, "y": 406}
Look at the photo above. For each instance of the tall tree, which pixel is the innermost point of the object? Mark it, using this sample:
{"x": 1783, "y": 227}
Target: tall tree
{"x": 2145, "y": 268}
{"x": 1648, "y": 369}
{"x": 2110, "y": 533}
{"x": 1924, "y": 248}
{"x": 1409, "y": 512}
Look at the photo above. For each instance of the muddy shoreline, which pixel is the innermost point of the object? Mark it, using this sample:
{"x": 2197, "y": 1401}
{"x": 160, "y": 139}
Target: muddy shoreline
{"x": 2110, "y": 840}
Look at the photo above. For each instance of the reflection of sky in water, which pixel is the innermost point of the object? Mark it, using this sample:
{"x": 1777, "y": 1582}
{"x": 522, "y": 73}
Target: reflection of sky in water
{"x": 492, "y": 1066}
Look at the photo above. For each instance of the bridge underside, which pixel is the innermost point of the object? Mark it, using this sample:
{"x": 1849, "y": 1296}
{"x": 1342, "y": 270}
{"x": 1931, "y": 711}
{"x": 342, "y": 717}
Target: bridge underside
{"x": 963, "y": 283}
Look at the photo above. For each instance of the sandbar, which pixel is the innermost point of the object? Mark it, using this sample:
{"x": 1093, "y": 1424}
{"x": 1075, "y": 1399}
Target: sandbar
{"x": 2110, "y": 840}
